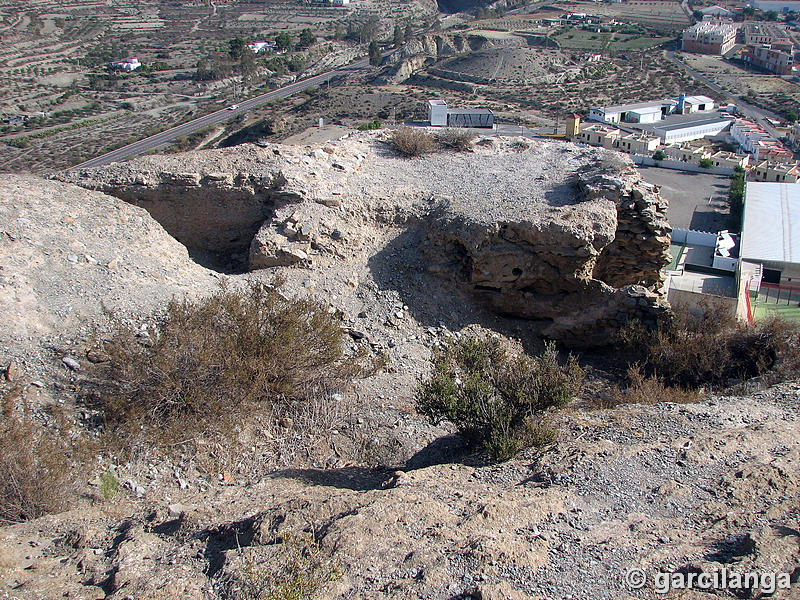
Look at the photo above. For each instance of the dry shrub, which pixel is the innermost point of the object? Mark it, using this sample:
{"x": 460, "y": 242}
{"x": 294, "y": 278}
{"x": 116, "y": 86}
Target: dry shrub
{"x": 456, "y": 139}
{"x": 410, "y": 141}
{"x": 708, "y": 347}
{"x": 642, "y": 389}
{"x": 210, "y": 364}
{"x": 34, "y": 470}
{"x": 496, "y": 399}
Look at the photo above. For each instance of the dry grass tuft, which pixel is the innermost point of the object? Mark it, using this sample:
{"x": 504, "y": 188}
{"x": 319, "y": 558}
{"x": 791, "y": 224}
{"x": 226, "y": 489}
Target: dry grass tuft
{"x": 642, "y": 389}
{"x": 459, "y": 140}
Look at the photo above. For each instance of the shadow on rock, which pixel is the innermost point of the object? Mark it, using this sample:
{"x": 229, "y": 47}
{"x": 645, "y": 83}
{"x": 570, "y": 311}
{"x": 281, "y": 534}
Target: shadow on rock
{"x": 432, "y": 301}
{"x": 350, "y": 478}
{"x": 443, "y": 450}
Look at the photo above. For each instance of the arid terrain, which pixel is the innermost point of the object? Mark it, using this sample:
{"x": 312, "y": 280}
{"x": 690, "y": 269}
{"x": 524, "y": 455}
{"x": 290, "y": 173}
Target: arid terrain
{"x": 62, "y": 105}
{"x": 358, "y": 492}
{"x": 308, "y": 352}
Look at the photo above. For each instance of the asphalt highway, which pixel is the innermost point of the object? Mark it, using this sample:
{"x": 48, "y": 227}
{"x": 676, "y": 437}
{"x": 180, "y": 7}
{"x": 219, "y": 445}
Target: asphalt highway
{"x": 168, "y": 136}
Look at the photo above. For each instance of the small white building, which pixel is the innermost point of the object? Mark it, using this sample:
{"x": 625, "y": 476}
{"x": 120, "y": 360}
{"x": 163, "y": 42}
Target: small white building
{"x": 647, "y": 114}
{"x": 641, "y": 143}
{"x": 687, "y": 153}
{"x": 437, "y": 113}
{"x": 127, "y": 65}
{"x": 257, "y": 47}
{"x": 597, "y": 134}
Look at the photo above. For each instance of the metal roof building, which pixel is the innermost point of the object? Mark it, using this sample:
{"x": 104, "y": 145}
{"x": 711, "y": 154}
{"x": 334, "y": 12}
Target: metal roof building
{"x": 684, "y": 131}
{"x": 771, "y": 228}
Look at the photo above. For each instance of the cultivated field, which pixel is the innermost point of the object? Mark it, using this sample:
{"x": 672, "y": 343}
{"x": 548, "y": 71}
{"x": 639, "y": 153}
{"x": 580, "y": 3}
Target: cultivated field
{"x": 656, "y": 14}
{"x": 608, "y": 41}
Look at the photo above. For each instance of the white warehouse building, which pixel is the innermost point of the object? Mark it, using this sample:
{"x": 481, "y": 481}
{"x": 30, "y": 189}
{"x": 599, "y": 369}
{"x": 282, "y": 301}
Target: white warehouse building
{"x": 653, "y": 111}
{"x": 691, "y": 130}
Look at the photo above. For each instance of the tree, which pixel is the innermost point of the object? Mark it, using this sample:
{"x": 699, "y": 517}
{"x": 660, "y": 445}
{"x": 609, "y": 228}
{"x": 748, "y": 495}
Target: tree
{"x": 236, "y": 47}
{"x": 706, "y": 163}
{"x": 771, "y": 15}
{"x": 247, "y": 64}
{"x": 283, "y": 41}
{"x": 791, "y": 116}
{"x": 749, "y": 11}
{"x": 408, "y": 33}
{"x": 306, "y": 40}
{"x": 736, "y": 200}
{"x": 375, "y": 57}
{"x": 398, "y": 36}
{"x": 659, "y": 155}
{"x": 296, "y": 63}
{"x": 698, "y": 15}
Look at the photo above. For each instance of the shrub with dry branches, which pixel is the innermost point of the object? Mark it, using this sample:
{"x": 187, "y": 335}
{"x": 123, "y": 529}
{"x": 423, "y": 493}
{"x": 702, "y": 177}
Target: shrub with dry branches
{"x": 34, "y": 470}
{"x": 410, "y": 141}
{"x": 211, "y": 362}
{"x": 707, "y": 346}
{"x": 495, "y": 398}
{"x": 456, "y": 139}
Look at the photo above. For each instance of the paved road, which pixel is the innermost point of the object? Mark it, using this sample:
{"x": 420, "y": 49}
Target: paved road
{"x": 757, "y": 114}
{"x": 168, "y": 136}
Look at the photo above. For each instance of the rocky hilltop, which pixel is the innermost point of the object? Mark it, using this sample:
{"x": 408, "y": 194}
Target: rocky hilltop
{"x": 570, "y": 238}
{"x": 410, "y": 253}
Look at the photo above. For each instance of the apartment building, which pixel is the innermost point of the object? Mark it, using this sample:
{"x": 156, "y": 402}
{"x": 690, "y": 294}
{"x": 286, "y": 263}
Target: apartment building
{"x": 769, "y": 58}
{"x": 709, "y": 37}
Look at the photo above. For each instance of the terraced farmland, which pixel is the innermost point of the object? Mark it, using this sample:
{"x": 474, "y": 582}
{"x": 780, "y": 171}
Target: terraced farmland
{"x": 59, "y": 103}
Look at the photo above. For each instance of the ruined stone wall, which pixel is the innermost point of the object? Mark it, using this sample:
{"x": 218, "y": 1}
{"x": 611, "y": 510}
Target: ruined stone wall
{"x": 640, "y": 249}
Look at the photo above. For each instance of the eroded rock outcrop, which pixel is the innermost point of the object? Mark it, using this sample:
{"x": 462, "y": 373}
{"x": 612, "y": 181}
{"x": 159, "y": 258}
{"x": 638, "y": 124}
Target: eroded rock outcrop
{"x": 427, "y": 49}
{"x": 581, "y": 269}
{"x": 569, "y": 238}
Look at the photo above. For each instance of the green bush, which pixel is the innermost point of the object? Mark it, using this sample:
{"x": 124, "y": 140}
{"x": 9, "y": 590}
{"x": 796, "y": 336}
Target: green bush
{"x": 209, "y": 364}
{"x": 496, "y": 399}
{"x": 659, "y": 155}
{"x": 705, "y": 163}
{"x": 376, "y": 124}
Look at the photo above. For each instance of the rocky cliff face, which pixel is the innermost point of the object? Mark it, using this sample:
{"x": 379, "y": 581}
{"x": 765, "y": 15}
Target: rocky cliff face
{"x": 427, "y": 49}
{"x": 569, "y": 238}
